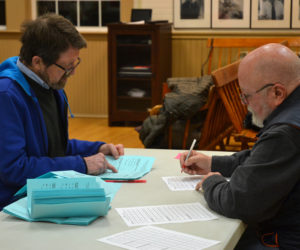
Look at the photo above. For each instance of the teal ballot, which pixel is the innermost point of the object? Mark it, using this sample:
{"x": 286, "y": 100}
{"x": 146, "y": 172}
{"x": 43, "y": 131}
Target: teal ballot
{"x": 66, "y": 198}
{"x": 19, "y": 210}
{"x": 129, "y": 167}
{"x": 110, "y": 189}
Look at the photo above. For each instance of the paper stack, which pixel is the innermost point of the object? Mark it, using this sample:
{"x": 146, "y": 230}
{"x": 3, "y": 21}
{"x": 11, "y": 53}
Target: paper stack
{"x": 67, "y": 197}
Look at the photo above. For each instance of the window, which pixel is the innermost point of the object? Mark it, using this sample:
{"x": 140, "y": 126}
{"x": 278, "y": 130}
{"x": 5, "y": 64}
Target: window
{"x": 82, "y": 13}
{"x": 2, "y": 14}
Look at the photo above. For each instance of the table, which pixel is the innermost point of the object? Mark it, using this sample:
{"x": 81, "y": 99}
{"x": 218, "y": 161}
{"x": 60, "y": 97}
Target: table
{"x": 18, "y": 234}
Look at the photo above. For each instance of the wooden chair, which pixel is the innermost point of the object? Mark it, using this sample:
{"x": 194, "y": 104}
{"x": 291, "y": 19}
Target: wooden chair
{"x": 222, "y": 51}
{"x": 294, "y": 44}
{"x": 217, "y": 124}
{"x": 226, "y": 82}
{"x": 216, "y": 127}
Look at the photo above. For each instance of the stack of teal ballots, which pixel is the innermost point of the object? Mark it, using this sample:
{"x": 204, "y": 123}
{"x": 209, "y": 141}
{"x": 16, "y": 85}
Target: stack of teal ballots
{"x": 69, "y": 197}
{"x": 64, "y": 197}
{"x": 61, "y": 198}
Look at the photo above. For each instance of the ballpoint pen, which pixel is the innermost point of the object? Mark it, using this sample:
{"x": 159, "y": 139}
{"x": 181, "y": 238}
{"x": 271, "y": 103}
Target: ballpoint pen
{"x": 189, "y": 153}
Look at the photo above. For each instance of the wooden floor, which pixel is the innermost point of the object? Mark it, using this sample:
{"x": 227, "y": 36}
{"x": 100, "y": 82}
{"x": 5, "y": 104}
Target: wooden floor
{"x": 97, "y": 129}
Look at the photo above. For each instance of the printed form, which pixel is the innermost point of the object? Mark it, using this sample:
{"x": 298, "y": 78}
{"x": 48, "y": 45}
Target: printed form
{"x": 182, "y": 183}
{"x": 150, "y": 237}
{"x": 177, "y": 213}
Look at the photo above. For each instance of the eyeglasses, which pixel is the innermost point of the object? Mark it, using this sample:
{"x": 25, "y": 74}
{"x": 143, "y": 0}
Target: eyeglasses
{"x": 70, "y": 70}
{"x": 245, "y": 97}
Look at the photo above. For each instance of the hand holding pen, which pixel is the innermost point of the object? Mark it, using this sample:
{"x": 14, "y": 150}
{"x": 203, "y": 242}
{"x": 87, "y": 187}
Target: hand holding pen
{"x": 193, "y": 162}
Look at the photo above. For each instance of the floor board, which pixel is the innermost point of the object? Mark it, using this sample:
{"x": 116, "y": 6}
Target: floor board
{"x": 97, "y": 129}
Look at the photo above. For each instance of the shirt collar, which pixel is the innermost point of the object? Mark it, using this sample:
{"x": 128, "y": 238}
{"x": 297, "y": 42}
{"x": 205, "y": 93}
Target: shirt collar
{"x": 24, "y": 69}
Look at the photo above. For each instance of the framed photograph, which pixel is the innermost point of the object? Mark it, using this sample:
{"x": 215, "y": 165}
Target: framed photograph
{"x": 191, "y": 13}
{"x": 231, "y": 14}
{"x": 271, "y": 14}
{"x": 295, "y": 14}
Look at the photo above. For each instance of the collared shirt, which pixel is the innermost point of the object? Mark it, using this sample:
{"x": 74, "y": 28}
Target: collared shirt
{"x": 28, "y": 72}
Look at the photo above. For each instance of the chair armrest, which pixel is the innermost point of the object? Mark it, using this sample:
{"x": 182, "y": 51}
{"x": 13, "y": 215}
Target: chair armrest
{"x": 155, "y": 110}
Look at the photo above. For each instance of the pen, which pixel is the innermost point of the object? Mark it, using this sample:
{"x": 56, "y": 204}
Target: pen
{"x": 190, "y": 151}
{"x": 127, "y": 181}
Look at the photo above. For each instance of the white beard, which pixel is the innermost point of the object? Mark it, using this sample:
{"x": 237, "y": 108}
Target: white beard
{"x": 255, "y": 120}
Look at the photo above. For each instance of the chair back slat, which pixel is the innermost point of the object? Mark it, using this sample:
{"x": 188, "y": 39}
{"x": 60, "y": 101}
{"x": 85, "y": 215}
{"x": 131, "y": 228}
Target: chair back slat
{"x": 225, "y": 79}
{"x": 229, "y": 50}
{"x": 217, "y": 124}
{"x": 253, "y": 42}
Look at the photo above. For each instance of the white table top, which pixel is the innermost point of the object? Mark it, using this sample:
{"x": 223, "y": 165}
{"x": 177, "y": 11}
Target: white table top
{"x": 18, "y": 234}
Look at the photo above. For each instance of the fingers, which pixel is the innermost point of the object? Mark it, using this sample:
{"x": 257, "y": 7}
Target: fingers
{"x": 189, "y": 170}
{"x": 185, "y": 164}
{"x": 190, "y": 165}
{"x": 120, "y": 149}
{"x": 182, "y": 158}
{"x": 194, "y": 159}
{"x": 97, "y": 164}
{"x": 113, "y": 151}
{"x": 199, "y": 185}
{"x": 110, "y": 149}
{"x": 112, "y": 168}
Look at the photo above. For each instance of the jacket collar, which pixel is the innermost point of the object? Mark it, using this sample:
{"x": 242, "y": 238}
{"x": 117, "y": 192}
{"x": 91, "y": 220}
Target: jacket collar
{"x": 286, "y": 113}
{"x": 9, "y": 69}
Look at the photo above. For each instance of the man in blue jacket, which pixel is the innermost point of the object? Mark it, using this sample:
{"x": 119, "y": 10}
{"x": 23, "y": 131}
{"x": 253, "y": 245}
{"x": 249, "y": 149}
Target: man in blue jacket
{"x": 264, "y": 188}
{"x": 33, "y": 109}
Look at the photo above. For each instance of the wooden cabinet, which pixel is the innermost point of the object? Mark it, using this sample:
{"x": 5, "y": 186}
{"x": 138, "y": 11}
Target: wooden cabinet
{"x": 139, "y": 61}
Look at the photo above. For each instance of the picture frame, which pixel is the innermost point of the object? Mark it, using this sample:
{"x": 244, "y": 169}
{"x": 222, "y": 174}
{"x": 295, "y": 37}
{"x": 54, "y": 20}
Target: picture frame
{"x": 266, "y": 16}
{"x": 231, "y": 14}
{"x": 295, "y": 14}
{"x": 192, "y": 13}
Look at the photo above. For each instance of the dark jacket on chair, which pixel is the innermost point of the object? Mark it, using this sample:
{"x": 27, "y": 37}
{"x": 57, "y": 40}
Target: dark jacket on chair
{"x": 184, "y": 101}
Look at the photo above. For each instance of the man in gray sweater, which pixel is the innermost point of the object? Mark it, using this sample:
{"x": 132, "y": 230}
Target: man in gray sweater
{"x": 264, "y": 187}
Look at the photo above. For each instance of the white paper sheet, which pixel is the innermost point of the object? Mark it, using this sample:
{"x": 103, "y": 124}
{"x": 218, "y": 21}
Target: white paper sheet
{"x": 176, "y": 213}
{"x": 150, "y": 237}
{"x": 182, "y": 183}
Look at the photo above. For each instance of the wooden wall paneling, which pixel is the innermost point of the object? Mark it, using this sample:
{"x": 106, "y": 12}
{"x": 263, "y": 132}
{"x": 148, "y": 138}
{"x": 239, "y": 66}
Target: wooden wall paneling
{"x": 188, "y": 56}
{"x": 126, "y": 6}
{"x": 87, "y": 89}
{"x": 21, "y": 10}
{"x": 9, "y": 45}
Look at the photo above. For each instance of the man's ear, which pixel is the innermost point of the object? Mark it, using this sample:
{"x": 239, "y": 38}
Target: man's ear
{"x": 280, "y": 94}
{"x": 37, "y": 63}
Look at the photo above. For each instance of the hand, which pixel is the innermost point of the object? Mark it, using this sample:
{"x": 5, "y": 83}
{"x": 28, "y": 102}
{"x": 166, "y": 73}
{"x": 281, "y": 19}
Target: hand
{"x": 97, "y": 164}
{"x": 110, "y": 149}
{"x": 197, "y": 163}
{"x": 199, "y": 184}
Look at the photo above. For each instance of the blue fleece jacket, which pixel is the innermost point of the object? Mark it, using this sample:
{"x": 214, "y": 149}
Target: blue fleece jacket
{"x": 23, "y": 135}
